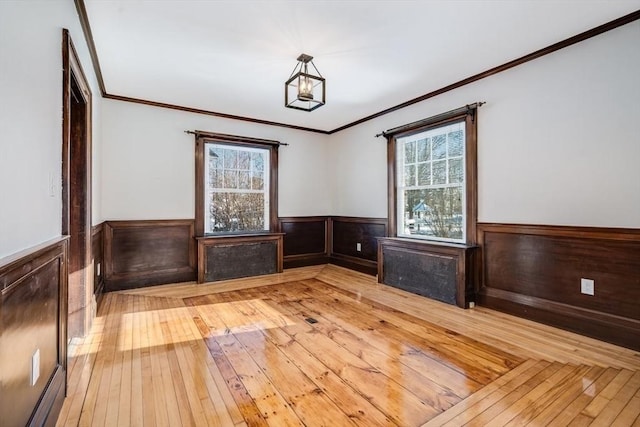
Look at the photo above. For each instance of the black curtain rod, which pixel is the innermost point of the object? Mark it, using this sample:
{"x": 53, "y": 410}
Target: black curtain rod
{"x": 467, "y": 109}
{"x": 233, "y": 138}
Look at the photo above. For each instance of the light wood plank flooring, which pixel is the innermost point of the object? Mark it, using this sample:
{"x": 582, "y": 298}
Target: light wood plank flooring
{"x": 328, "y": 346}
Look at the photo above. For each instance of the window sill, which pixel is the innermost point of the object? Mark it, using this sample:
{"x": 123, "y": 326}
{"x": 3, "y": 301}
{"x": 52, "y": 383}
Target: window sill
{"x": 422, "y": 243}
{"x": 251, "y": 235}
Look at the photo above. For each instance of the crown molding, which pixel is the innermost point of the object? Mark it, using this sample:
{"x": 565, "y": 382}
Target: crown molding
{"x": 611, "y": 25}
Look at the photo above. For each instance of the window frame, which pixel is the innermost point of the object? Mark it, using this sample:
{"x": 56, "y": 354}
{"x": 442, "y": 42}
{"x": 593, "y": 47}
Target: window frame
{"x": 202, "y": 138}
{"x": 468, "y": 115}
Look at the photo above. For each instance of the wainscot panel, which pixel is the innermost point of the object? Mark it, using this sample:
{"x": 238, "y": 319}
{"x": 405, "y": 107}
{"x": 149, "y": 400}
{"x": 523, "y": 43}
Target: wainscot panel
{"x": 536, "y": 271}
{"x": 354, "y": 242}
{"x": 306, "y": 240}
{"x": 144, "y": 253}
{"x": 232, "y": 257}
{"x": 33, "y": 325}
{"x": 442, "y": 271}
{"x": 97, "y": 252}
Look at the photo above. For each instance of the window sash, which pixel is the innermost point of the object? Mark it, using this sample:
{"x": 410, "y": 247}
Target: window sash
{"x": 403, "y": 214}
{"x": 210, "y": 190}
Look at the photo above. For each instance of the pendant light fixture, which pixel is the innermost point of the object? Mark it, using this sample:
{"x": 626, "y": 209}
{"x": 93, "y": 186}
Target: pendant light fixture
{"x": 304, "y": 91}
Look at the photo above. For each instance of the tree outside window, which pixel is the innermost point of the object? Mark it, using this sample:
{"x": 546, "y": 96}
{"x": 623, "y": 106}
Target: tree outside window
{"x": 236, "y": 184}
{"x": 236, "y": 188}
{"x": 433, "y": 175}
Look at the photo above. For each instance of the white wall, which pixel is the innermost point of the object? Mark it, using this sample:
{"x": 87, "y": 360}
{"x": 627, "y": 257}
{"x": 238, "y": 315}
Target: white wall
{"x": 558, "y": 141}
{"x": 31, "y": 119}
{"x": 148, "y": 169}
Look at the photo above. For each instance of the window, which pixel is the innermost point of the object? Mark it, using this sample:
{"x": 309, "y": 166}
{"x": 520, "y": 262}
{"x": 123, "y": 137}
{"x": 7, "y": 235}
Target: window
{"x": 433, "y": 195}
{"x": 235, "y": 184}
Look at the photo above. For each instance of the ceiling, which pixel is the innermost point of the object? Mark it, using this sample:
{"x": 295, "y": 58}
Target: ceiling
{"x": 233, "y": 57}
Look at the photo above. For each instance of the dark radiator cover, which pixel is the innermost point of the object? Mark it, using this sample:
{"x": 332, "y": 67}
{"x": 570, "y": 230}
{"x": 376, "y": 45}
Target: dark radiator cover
{"x": 428, "y": 275}
{"x": 442, "y": 271}
{"x": 231, "y": 261}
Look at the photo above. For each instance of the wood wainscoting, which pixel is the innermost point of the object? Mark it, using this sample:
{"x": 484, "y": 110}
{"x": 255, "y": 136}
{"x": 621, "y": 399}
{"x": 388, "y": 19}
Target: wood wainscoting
{"x": 535, "y": 272}
{"x": 347, "y": 232}
{"x": 150, "y": 252}
{"x": 140, "y": 253}
{"x": 97, "y": 254}
{"x": 333, "y": 239}
{"x": 306, "y": 240}
{"x": 33, "y": 325}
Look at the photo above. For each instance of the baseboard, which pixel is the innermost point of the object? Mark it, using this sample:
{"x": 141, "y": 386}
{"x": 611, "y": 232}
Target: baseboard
{"x": 305, "y": 261}
{"x": 614, "y": 329}
{"x": 357, "y": 264}
{"x": 49, "y": 406}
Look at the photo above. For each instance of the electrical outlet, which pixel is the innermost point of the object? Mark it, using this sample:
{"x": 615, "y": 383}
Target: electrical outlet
{"x": 359, "y": 247}
{"x": 98, "y": 269}
{"x": 587, "y": 286}
{"x": 35, "y": 367}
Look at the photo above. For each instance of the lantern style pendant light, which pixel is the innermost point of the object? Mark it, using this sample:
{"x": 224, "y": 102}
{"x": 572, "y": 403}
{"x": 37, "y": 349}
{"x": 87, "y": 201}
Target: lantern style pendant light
{"x": 305, "y": 91}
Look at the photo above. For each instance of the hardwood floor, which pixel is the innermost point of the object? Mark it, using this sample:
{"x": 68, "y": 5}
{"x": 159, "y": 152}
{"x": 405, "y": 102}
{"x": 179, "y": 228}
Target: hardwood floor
{"x": 328, "y": 346}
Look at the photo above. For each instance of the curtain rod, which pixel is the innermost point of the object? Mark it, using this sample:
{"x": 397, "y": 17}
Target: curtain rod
{"x": 233, "y": 138}
{"x": 467, "y": 109}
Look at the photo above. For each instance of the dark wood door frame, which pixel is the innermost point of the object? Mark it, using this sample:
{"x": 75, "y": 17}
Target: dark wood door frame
{"x": 76, "y": 187}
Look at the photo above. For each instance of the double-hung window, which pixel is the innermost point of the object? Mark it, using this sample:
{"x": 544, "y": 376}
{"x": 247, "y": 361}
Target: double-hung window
{"x": 235, "y": 184}
{"x": 433, "y": 183}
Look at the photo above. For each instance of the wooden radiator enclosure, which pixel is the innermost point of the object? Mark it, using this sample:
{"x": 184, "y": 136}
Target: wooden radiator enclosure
{"x": 232, "y": 257}
{"x": 444, "y": 272}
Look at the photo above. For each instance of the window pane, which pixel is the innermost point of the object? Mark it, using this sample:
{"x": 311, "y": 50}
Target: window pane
{"x": 215, "y": 178}
{"x": 230, "y": 159}
{"x": 434, "y": 212}
{"x": 257, "y": 181}
{"x": 414, "y": 213}
{"x": 424, "y": 150}
{"x": 455, "y": 143}
{"x": 236, "y": 212}
{"x": 257, "y": 162}
{"x": 439, "y": 172}
{"x": 244, "y": 180}
{"x": 244, "y": 160}
{"x": 439, "y": 146}
{"x": 230, "y": 179}
{"x": 431, "y": 189}
{"x": 410, "y": 152}
{"x": 215, "y": 157}
{"x": 446, "y": 212}
{"x": 456, "y": 174}
{"x": 410, "y": 176}
{"x": 236, "y": 188}
{"x": 424, "y": 174}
